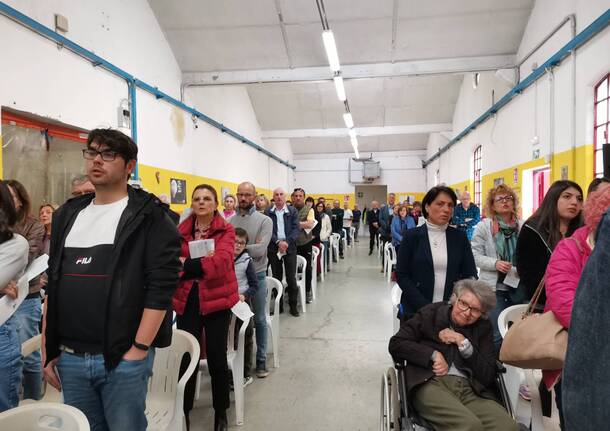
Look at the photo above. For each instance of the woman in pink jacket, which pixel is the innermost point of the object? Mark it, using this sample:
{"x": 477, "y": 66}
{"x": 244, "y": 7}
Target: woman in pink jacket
{"x": 563, "y": 274}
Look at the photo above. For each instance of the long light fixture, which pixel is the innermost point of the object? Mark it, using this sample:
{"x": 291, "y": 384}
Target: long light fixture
{"x": 352, "y": 133}
{"x": 338, "y": 80}
{"x": 348, "y": 120}
{"x": 331, "y": 50}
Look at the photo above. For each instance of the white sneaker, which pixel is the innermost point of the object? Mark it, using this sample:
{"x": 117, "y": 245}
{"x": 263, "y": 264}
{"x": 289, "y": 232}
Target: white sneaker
{"x": 248, "y": 380}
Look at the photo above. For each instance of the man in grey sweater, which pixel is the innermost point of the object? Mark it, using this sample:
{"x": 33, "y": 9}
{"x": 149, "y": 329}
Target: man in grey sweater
{"x": 259, "y": 228}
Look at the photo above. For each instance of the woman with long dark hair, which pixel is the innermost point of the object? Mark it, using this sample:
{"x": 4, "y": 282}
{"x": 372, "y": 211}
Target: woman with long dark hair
{"x": 29, "y": 313}
{"x": 13, "y": 260}
{"x": 205, "y": 295}
{"x": 558, "y": 216}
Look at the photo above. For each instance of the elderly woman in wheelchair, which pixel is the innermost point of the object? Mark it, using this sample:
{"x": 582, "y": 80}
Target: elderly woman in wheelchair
{"x": 450, "y": 370}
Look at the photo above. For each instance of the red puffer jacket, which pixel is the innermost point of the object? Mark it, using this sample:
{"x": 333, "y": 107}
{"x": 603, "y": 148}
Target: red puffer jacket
{"x": 218, "y": 286}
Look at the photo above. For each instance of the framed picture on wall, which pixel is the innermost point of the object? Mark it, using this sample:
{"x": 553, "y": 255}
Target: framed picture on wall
{"x": 224, "y": 191}
{"x": 177, "y": 188}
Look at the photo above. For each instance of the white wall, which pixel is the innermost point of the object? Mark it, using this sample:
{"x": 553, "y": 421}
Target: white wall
{"x": 39, "y": 78}
{"x": 506, "y": 138}
{"x": 401, "y": 171}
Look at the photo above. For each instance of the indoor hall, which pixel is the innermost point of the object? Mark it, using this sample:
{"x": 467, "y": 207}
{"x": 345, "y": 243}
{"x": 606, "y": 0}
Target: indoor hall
{"x": 450, "y": 155}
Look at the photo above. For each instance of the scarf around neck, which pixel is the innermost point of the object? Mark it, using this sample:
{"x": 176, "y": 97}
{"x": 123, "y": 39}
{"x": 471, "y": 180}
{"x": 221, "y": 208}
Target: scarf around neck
{"x": 505, "y": 237}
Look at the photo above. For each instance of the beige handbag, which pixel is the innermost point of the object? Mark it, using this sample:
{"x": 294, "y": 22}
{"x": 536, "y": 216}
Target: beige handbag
{"x": 537, "y": 341}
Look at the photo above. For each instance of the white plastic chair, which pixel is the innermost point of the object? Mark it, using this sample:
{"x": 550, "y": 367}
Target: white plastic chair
{"x": 165, "y": 397}
{"x": 395, "y": 294}
{"x": 334, "y": 245}
{"x": 273, "y": 322}
{"x": 344, "y": 238}
{"x": 51, "y": 395}
{"x": 390, "y": 259}
{"x": 235, "y": 360}
{"x": 44, "y": 417}
{"x": 352, "y": 235}
{"x": 516, "y": 376}
{"x": 323, "y": 268}
{"x": 379, "y": 248}
{"x": 315, "y": 253}
{"x": 300, "y": 276}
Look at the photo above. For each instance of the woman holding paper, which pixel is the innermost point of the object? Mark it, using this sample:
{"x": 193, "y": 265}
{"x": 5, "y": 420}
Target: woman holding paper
{"x": 206, "y": 293}
{"x": 13, "y": 260}
{"x": 493, "y": 245}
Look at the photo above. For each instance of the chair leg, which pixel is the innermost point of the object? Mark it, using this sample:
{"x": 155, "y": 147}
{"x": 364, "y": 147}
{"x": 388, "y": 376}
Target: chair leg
{"x": 302, "y": 292}
{"x": 238, "y": 389}
{"x": 275, "y": 336}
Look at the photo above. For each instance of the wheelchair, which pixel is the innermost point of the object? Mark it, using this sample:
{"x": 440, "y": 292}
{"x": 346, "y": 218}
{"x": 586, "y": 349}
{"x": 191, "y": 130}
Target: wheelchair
{"x": 397, "y": 414}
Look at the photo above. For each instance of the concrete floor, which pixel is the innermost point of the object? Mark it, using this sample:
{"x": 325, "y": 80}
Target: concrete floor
{"x": 331, "y": 358}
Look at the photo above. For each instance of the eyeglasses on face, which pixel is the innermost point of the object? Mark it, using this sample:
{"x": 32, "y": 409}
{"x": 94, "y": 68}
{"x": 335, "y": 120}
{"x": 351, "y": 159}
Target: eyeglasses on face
{"x": 463, "y": 306}
{"x": 507, "y": 198}
{"x": 107, "y": 155}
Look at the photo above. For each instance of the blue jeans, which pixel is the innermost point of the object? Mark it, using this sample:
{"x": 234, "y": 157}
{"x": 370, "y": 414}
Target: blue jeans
{"x": 111, "y": 400}
{"x": 260, "y": 319}
{"x": 28, "y": 317}
{"x": 503, "y": 301}
{"x": 10, "y": 365}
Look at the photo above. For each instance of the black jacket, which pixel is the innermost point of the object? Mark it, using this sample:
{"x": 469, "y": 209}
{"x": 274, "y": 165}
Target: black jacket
{"x": 144, "y": 269}
{"x": 372, "y": 216}
{"x": 415, "y": 268}
{"x": 418, "y": 338}
{"x": 291, "y": 229}
{"x": 532, "y": 256}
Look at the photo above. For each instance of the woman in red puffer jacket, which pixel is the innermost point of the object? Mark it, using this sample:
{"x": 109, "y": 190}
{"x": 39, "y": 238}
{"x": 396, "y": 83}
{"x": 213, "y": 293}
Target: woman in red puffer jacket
{"x": 205, "y": 295}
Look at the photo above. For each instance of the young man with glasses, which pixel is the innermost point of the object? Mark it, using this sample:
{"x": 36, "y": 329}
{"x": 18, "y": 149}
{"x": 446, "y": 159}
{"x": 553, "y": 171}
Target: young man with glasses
{"x": 258, "y": 227}
{"x": 113, "y": 270}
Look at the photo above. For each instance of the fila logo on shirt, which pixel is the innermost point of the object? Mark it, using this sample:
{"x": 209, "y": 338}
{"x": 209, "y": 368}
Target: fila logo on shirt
{"x": 83, "y": 261}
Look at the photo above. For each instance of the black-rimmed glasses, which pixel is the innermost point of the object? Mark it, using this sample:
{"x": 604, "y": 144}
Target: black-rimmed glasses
{"x": 463, "y": 306}
{"x": 106, "y": 155}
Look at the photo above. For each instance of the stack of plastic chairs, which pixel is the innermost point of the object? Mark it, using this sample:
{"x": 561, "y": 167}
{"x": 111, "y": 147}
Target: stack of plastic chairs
{"x": 300, "y": 276}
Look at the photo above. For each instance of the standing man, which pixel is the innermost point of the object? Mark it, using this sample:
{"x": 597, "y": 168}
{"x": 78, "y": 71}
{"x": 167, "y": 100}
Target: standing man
{"x": 357, "y": 216}
{"x": 113, "y": 270}
{"x": 385, "y": 224}
{"x": 282, "y": 250}
{"x": 259, "y": 227}
{"x": 336, "y": 222}
{"x": 305, "y": 239}
{"x": 372, "y": 219}
{"x": 348, "y": 216}
{"x": 466, "y": 215}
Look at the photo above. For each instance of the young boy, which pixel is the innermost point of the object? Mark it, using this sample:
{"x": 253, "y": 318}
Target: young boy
{"x": 247, "y": 285}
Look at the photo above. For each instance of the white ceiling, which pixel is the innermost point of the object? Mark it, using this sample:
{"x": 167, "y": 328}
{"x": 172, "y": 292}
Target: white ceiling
{"x": 232, "y": 35}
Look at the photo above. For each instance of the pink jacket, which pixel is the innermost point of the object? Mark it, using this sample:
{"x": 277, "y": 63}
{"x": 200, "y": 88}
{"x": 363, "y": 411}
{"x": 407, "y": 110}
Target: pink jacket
{"x": 561, "y": 280}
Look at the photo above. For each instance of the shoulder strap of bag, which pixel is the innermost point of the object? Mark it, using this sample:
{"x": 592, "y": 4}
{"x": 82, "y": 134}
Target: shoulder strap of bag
{"x": 534, "y": 301}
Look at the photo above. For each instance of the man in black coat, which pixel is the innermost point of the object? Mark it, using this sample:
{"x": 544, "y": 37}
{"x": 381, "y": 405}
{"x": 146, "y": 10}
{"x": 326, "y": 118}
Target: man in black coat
{"x": 372, "y": 219}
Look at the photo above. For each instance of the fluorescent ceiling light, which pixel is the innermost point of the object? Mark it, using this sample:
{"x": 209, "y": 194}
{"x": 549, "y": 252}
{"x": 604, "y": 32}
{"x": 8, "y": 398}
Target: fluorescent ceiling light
{"x": 357, "y": 154}
{"x": 349, "y": 121}
{"x": 352, "y": 133}
{"x": 331, "y": 50}
{"x": 340, "y": 88}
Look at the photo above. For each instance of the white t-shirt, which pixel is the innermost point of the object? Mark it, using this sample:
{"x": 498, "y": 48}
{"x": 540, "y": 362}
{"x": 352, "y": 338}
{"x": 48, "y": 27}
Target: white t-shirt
{"x": 96, "y": 224}
{"x": 348, "y": 215}
{"x": 437, "y": 236}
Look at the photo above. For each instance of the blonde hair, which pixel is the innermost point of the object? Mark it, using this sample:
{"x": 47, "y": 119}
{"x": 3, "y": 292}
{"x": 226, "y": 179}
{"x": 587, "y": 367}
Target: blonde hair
{"x": 491, "y": 196}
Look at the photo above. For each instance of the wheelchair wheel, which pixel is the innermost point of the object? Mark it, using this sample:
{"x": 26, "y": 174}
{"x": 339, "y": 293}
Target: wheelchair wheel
{"x": 390, "y": 405}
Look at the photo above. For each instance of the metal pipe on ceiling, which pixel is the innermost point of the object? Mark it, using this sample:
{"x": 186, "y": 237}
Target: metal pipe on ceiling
{"x": 98, "y": 61}
{"x": 581, "y": 38}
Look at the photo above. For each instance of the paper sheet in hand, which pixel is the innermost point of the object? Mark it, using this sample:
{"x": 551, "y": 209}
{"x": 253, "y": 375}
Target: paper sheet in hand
{"x": 512, "y": 278}
{"x": 315, "y": 222}
{"x": 200, "y": 248}
{"x": 37, "y": 267}
{"x": 242, "y": 310}
{"x": 8, "y": 306}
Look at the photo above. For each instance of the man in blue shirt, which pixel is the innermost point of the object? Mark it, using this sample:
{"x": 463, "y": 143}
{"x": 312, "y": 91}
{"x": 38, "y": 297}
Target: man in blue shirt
{"x": 466, "y": 215}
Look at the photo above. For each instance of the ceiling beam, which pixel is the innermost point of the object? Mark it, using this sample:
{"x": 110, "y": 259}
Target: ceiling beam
{"x": 352, "y": 71}
{"x": 362, "y": 131}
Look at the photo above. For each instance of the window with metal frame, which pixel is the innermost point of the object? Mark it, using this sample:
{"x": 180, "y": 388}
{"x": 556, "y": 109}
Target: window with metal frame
{"x": 477, "y": 175}
{"x": 601, "y": 128}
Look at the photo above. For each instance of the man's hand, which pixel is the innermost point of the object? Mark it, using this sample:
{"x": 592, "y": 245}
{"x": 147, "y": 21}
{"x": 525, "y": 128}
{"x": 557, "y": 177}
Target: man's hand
{"x": 375, "y": 224}
{"x": 135, "y": 354}
{"x": 50, "y": 375}
{"x": 242, "y": 298}
{"x": 282, "y": 246}
{"x": 503, "y": 266}
{"x": 182, "y": 259}
{"x": 11, "y": 290}
{"x": 439, "y": 366}
{"x": 210, "y": 253}
{"x": 449, "y": 336}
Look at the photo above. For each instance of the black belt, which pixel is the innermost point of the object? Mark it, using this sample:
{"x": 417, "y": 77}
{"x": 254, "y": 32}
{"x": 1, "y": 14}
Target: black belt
{"x": 77, "y": 352}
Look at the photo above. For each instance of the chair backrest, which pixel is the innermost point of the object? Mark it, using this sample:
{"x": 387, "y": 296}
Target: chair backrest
{"x": 395, "y": 294}
{"x": 44, "y": 417}
{"x": 336, "y": 237}
{"x": 315, "y": 252}
{"x": 166, "y": 366}
{"x": 391, "y": 251}
{"x": 510, "y": 314}
{"x": 231, "y": 344}
{"x": 272, "y": 283}
{"x": 301, "y": 265}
